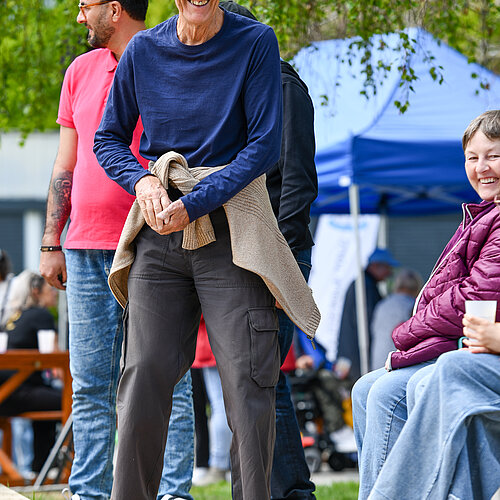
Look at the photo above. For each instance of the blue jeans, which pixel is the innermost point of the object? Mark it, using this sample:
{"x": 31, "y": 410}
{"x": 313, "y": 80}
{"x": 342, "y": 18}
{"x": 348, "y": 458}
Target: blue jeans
{"x": 379, "y": 411}
{"x": 22, "y": 440}
{"x": 220, "y": 433}
{"x": 290, "y": 474}
{"x": 179, "y": 452}
{"x": 452, "y": 437}
{"x": 95, "y": 340}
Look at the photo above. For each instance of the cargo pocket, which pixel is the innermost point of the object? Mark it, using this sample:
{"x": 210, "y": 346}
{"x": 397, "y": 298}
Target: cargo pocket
{"x": 265, "y": 352}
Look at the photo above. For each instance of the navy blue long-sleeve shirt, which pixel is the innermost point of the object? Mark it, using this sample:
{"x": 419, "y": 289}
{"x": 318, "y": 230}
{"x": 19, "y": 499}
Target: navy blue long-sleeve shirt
{"x": 216, "y": 103}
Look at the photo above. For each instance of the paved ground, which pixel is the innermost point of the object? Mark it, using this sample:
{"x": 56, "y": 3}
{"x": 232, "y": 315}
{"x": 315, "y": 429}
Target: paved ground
{"x": 328, "y": 476}
{"x": 6, "y": 494}
{"x": 324, "y": 477}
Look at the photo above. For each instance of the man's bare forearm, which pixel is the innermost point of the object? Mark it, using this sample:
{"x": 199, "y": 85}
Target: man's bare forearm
{"x": 58, "y": 207}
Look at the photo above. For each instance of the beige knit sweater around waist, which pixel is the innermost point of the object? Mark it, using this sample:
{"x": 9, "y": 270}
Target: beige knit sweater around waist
{"x": 256, "y": 241}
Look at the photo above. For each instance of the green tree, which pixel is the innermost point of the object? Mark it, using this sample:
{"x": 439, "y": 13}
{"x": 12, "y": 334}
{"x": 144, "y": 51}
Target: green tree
{"x": 41, "y": 37}
{"x": 39, "y": 40}
{"x": 470, "y": 26}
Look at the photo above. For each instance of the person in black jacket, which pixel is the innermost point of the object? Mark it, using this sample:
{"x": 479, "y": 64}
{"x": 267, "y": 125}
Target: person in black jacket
{"x": 34, "y": 394}
{"x": 292, "y": 185}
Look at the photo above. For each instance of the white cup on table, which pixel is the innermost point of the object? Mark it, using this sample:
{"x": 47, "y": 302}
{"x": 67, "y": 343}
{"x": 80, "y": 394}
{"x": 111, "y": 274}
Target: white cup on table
{"x": 4, "y": 340}
{"x": 46, "y": 340}
{"x": 486, "y": 309}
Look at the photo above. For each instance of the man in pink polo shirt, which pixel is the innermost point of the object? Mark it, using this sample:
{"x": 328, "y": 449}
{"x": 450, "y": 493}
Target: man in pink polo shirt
{"x": 97, "y": 207}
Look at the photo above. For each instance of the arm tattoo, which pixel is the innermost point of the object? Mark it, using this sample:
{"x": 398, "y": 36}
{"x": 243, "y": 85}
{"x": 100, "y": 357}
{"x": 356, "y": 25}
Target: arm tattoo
{"x": 58, "y": 203}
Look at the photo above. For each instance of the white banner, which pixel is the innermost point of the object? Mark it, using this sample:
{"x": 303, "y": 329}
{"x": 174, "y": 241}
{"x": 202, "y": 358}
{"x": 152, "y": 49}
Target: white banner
{"x": 334, "y": 268}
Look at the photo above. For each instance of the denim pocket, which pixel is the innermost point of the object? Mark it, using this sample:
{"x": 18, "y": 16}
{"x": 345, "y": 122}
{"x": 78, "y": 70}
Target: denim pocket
{"x": 265, "y": 353}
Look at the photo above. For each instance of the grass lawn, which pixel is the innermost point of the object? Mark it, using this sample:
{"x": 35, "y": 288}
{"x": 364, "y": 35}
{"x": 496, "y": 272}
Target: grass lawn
{"x": 222, "y": 491}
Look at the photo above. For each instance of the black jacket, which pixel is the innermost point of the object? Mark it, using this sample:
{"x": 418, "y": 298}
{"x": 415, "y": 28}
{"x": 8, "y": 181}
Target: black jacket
{"x": 293, "y": 183}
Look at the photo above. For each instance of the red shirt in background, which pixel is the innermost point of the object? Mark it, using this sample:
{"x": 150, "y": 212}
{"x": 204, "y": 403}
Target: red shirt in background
{"x": 204, "y": 356}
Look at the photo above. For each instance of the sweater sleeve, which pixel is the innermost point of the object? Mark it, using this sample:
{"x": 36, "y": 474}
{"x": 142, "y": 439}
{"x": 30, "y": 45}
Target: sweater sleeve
{"x": 442, "y": 317}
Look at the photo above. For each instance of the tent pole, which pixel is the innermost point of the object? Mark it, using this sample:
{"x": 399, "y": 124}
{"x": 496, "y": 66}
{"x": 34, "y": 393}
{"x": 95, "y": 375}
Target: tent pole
{"x": 382, "y": 243}
{"x": 382, "y": 231}
{"x": 361, "y": 316}
{"x": 383, "y": 221}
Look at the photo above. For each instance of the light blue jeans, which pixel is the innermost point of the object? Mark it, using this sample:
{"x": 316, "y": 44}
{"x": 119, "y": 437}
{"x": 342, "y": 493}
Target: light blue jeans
{"x": 220, "y": 433}
{"x": 22, "y": 441}
{"x": 95, "y": 339}
{"x": 178, "y": 461}
{"x": 379, "y": 411}
{"x": 450, "y": 445}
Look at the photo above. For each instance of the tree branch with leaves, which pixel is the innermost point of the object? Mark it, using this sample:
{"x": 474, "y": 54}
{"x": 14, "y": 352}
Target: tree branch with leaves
{"x": 41, "y": 37}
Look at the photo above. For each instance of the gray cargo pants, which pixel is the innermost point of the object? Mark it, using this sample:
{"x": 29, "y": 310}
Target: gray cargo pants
{"x": 169, "y": 288}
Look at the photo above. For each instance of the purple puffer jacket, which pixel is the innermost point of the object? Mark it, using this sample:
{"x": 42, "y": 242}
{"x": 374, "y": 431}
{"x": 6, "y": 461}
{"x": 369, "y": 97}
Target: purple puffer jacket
{"x": 468, "y": 269}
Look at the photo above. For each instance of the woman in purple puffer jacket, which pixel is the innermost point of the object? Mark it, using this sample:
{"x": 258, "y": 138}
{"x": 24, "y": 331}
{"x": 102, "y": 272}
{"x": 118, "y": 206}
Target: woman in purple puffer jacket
{"x": 468, "y": 268}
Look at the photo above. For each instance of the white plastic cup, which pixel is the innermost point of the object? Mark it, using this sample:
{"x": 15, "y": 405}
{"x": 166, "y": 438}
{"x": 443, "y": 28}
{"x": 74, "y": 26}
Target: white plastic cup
{"x": 46, "y": 340}
{"x": 486, "y": 309}
{"x": 4, "y": 340}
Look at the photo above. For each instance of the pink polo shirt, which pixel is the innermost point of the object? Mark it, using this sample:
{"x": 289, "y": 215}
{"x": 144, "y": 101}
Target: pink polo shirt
{"x": 99, "y": 206}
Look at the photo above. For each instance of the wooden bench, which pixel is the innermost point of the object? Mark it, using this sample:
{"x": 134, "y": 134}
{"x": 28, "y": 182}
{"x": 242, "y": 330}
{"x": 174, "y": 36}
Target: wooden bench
{"x": 24, "y": 362}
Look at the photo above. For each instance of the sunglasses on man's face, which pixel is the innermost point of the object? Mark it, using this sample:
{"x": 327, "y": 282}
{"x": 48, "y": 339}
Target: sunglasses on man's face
{"x": 84, "y": 6}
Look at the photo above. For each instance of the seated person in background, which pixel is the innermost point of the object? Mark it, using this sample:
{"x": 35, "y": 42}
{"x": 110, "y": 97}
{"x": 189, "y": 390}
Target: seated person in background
{"x": 35, "y": 393}
{"x": 460, "y": 457}
{"x": 5, "y": 284}
{"x": 468, "y": 268}
{"x": 391, "y": 312}
{"x": 13, "y": 289}
{"x": 379, "y": 268}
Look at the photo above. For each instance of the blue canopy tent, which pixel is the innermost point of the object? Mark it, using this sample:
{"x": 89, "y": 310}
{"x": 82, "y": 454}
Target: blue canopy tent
{"x": 409, "y": 163}
{"x": 373, "y": 159}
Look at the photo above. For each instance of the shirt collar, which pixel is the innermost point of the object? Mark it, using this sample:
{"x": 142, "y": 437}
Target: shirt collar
{"x": 111, "y": 62}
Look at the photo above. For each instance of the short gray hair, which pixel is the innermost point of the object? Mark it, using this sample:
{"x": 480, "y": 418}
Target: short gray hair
{"x": 409, "y": 280}
{"x": 488, "y": 123}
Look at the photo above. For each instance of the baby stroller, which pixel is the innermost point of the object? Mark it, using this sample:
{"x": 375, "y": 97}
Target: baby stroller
{"x": 323, "y": 408}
